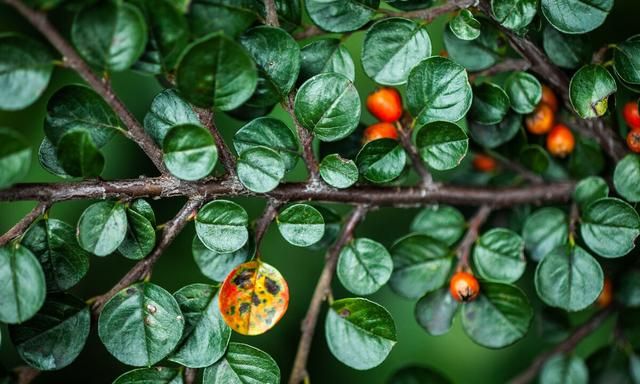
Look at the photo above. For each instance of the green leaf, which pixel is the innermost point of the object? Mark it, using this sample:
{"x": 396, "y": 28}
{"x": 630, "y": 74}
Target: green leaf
{"x": 441, "y": 222}
{"x": 359, "y": 332}
{"x": 566, "y": 51}
{"x": 500, "y": 316}
{"x": 141, "y": 234}
{"x": 260, "y": 169}
{"x": 628, "y": 291}
{"x": 216, "y": 72}
{"x": 206, "y": 335}
{"x": 626, "y": 61}
{"x": 341, "y": 15}
{"x": 23, "y": 287}
{"x": 410, "y": 5}
{"x": 535, "y": 158}
{"x": 626, "y": 178}
{"x": 490, "y": 104}
{"x": 323, "y": 56}
{"x": 415, "y": 374}
{"x": 465, "y": 26}
{"x": 544, "y": 230}
{"x": 392, "y": 47}
{"x": 26, "y": 69}
{"x": 587, "y": 158}
{"x": 271, "y": 133}
{"x": 301, "y": 225}
{"x": 168, "y": 108}
{"x": 153, "y": 375}
{"x": 332, "y": 224}
{"x": 110, "y": 35}
{"x": 328, "y": 105}
{"x": 494, "y": 135}
{"x": 190, "y": 152}
{"x": 79, "y": 108}
{"x": 438, "y": 89}
{"x": 102, "y": 227}
{"x": 221, "y": 225}
{"x": 54, "y": 243}
{"x": 381, "y": 161}
{"x": 243, "y": 364}
{"x": 435, "y": 311}
{"x": 232, "y": 17}
{"x": 514, "y": 14}
{"x": 421, "y": 264}
{"x": 216, "y": 265}
{"x": 442, "y": 145}
{"x": 589, "y": 90}
{"x": 48, "y": 157}
{"x": 79, "y": 156}
{"x": 499, "y": 256}
{"x": 569, "y": 278}
{"x": 143, "y": 208}
{"x": 524, "y": 91}
{"x": 576, "y": 16}
{"x": 589, "y": 190}
{"x": 477, "y": 54}
{"x": 564, "y": 369}
{"x": 141, "y": 324}
{"x": 15, "y": 157}
{"x": 609, "y": 227}
{"x": 56, "y": 335}
{"x": 276, "y": 54}
{"x": 338, "y": 172}
{"x": 364, "y": 266}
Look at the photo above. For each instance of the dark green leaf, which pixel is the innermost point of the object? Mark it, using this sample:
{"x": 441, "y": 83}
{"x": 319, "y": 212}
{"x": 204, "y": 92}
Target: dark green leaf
{"x": 301, "y": 225}
{"x": 415, "y": 374}
{"x": 494, "y": 135}
{"x": 566, "y": 51}
{"x": 476, "y": 54}
{"x": 587, "y": 158}
{"x": 628, "y": 291}
{"x": 514, "y": 14}
{"x": 410, "y": 5}
{"x": 217, "y": 266}
{"x": 499, "y": 256}
{"x": 167, "y": 109}
{"x": 23, "y": 287}
{"x": 576, "y": 16}
{"x": 545, "y": 230}
{"x": 271, "y": 133}
{"x": 143, "y": 208}
{"x": 48, "y": 157}
{"x": 79, "y": 156}
{"x": 190, "y": 153}
{"x": 392, "y": 47}
{"x": 435, "y": 311}
{"x": 465, "y": 26}
{"x": 441, "y": 222}
{"x": 490, "y": 104}
{"x": 626, "y": 178}
{"x": 338, "y": 172}
{"x": 589, "y": 190}
{"x": 141, "y": 324}
{"x": 627, "y": 63}
{"x": 260, "y": 169}
{"x": 524, "y": 91}
{"x": 609, "y": 227}
{"x": 535, "y": 158}
{"x": 590, "y": 89}
{"x": 232, "y": 17}
{"x": 442, "y": 145}
{"x": 332, "y": 223}
{"x": 221, "y": 225}
{"x": 341, "y": 15}
{"x": 326, "y": 55}
{"x": 55, "y": 336}
{"x": 141, "y": 234}
{"x": 102, "y": 227}
{"x": 564, "y": 369}
{"x": 15, "y": 157}
{"x": 153, "y": 375}
{"x": 381, "y": 161}
{"x": 359, "y": 332}
{"x": 364, "y": 266}
{"x": 243, "y": 364}
{"x": 609, "y": 364}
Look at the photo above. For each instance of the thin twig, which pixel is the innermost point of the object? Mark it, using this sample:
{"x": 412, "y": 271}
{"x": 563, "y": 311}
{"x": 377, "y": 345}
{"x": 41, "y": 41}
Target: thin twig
{"x": 262, "y": 224}
{"x": 475, "y": 223}
{"x": 25, "y": 374}
{"x": 190, "y": 375}
{"x": 567, "y": 345}
{"x": 506, "y": 65}
{"x": 306, "y": 139}
{"x": 429, "y": 14}
{"x": 227, "y": 158}
{"x": 24, "y": 224}
{"x": 271, "y": 13}
{"x": 299, "y": 370}
{"x": 404, "y": 134}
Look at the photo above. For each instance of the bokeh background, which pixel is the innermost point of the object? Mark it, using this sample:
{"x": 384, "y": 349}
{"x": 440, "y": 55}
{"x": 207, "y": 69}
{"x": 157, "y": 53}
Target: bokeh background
{"x": 453, "y": 354}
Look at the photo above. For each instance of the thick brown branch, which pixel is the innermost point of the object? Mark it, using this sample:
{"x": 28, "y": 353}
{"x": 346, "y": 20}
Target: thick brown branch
{"x": 103, "y": 88}
{"x": 404, "y": 134}
{"x": 144, "y": 266}
{"x": 306, "y": 139}
{"x": 566, "y": 346}
{"x": 227, "y": 158}
{"x": 475, "y": 223}
{"x": 320, "y": 293}
{"x": 506, "y": 65}
{"x": 270, "y": 212}
{"x": 22, "y": 225}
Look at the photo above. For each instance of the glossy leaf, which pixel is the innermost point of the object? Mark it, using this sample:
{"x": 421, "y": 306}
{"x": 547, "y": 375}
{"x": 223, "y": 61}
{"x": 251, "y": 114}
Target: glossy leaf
{"x": 438, "y": 89}
{"x": 364, "y": 266}
{"x": 544, "y": 230}
{"x": 514, "y": 14}
{"x": 153, "y": 375}
{"x": 341, "y": 15}
{"x": 22, "y": 284}
{"x": 232, "y": 17}
{"x": 494, "y": 135}
{"x": 141, "y": 233}
{"x": 609, "y": 227}
{"x": 499, "y": 256}
{"x": 190, "y": 153}
{"x": 490, "y": 104}
{"x": 253, "y": 298}
{"x": 589, "y": 190}
{"x": 564, "y": 369}
{"x": 476, "y": 54}
{"x": 626, "y": 178}
{"x": 15, "y": 157}
{"x": 260, "y": 169}
{"x": 442, "y": 145}
{"x": 524, "y": 91}
{"x": 141, "y": 324}
{"x": 587, "y": 158}
{"x": 626, "y": 62}
{"x": 338, "y": 172}
{"x": 359, "y": 332}
{"x": 323, "y": 56}
{"x": 381, "y": 161}
{"x": 421, "y": 264}
{"x": 566, "y": 51}
{"x": 435, "y": 311}
{"x": 56, "y": 335}
{"x": 221, "y": 225}
{"x": 328, "y": 105}
{"x": 576, "y": 16}
{"x": 167, "y": 109}
{"x": 271, "y": 133}
{"x": 243, "y": 364}
{"x": 48, "y": 158}
{"x": 465, "y": 26}
{"x": 216, "y": 265}
{"x": 590, "y": 89}
{"x": 301, "y": 225}
{"x": 102, "y": 227}
{"x": 441, "y": 222}
{"x": 535, "y": 158}
{"x": 79, "y": 156}
{"x": 392, "y": 47}
{"x": 332, "y": 224}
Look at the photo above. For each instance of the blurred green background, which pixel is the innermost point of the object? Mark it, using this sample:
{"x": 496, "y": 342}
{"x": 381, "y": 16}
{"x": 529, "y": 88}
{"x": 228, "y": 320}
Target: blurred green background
{"x": 453, "y": 354}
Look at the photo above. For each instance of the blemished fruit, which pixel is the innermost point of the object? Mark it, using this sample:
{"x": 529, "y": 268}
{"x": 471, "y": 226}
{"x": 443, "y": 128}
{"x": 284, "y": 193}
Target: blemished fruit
{"x": 560, "y": 141}
{"x": 606, "y": 296}
{"x": 380, "y": 131}
{"x": 541, "y": 120}
{"x": 385, "y": 104}
{"x": 484, "y": 163}
{"x": 633, "y": 140}
{"x": 549, "y": 98}
{"x": 464, "y": 287}
{"x": 631, "y": 114}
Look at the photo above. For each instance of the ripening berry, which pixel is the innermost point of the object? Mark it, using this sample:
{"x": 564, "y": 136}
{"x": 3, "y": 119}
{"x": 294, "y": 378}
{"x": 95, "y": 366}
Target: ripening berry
{"x": 379, "y": 131}
{"x": 549, "y": 98}
{"x": 464, "y": 287}
{"x": 631, "y": 114}
{"x": 385, "y": 104}
{"x": 606, "y": 296}
{"x": 541, "y": 120}
{"x": 484, "y": 163}
{"x": 560, "y": 141}
{"x": 633, "y": 140}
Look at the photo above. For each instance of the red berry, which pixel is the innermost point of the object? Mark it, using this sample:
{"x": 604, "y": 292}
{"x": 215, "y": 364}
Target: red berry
{"x": 484, "y": 163}
{"x": 385, "y": 104}
{"x": 464, "y": 287}
{"x": 380, "y": 131}
{"x": 549, "y": 98}
{"x": 631, "y": 115}
{"x": 541, "y": 120}
{"x": 633, "y": 140}
{"x": 560, "y": 141}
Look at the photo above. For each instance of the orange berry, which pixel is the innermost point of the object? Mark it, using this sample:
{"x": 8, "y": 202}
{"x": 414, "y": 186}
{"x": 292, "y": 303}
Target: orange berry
{"x": 606, "y": 296}
{"x": 633, "y": 140}
{"x": 385, "y": 104}
{"x": 464, "y": 287}
{"x": 484, "y": 163}
{"x": 631, "y": 114}
{"x": 379, "y": 131}
{"x": 549, "y": 98}
{"x": 541, "y": 120}
{"x": 560, "y": 141}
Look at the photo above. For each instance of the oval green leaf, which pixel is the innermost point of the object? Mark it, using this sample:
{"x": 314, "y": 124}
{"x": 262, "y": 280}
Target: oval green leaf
{"x": 545, "y": 230}
{"x": 535, "y": 158}
{"x": 626, "y": 178}
{"x": 364, "y": 266}
{"x": 190, "y": 152}
{"x": 524, "y": 91}
{"x": 301, "y": 225}
{"x": 609, "y": 227}
{"x": 381, "y": 161}
{"x": 341, "y": 15}
{"x": 566, "y": 51}
{"x": 514, "y": 14}
{"x": 494, "y": 135}
{"x": 167, "y": 109}
{"x": 589, "y": 190}
{"x": 564, "y": 369}
{"x": 576, "y": 16}
{"x": 476, "y": 54}
{"x": 441, "y": 222}
{"x": 153, "y": 375}
{"x": 271, "y": 133}
{"x": 243, "y": 364}
{"x": 221, "y": 225}
{"x": 15, "y": 157}
{"x": 24, "y": 289}
{"x": 216, "y": 265}
{"x": 435, "y": 311}
{"x": 48, "y": 158}
{"x": 442, "y": 145}
{"x": 499, "y": 256}
{"x": 490, "y": 104}
{"x": 323, "y": 56}
{"x": 338, "y": 172}
{"x": 141, "y": 234}
{"x": 79, "y": 156}
{"x": 590, "y": 89}
{"x": 465, "y": 26}
{"x": 626, "y": 61}
{"x": 102, "y": 227}
{"x": 260, "y": 169}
